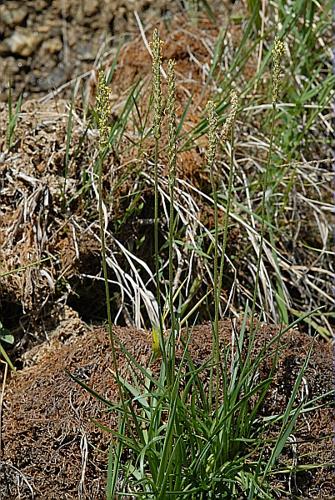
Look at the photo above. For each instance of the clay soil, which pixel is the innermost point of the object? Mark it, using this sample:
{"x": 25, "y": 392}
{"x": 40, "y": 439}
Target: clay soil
{"x": 49, "y": 446}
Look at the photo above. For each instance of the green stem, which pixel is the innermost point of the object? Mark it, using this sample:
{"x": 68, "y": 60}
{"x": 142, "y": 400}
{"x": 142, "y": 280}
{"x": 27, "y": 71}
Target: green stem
{"x": 263, "y": 217}
{"x": 105, "y": 272}
{"x": 224, "y": 246}
{"x": 172, "y": 177}
{"x": 229, "y": 198}
{"x": 156, "y": 243}
{"x": 216, "y": 290}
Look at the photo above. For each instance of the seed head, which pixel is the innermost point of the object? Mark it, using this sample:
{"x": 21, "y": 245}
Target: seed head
{"x": 231, "y": 116}
{"x": 103, "y": 109}
{"x": 156, "y": 48}
{"x": 277, "y": 56}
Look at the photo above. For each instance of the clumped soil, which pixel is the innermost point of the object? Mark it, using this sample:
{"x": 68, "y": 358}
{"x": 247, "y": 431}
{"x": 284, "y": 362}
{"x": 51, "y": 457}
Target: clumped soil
{"x": 46, "y": 43}
{"x": 50, "y": 448}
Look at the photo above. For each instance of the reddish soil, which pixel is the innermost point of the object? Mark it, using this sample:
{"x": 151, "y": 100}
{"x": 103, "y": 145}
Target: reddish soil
{"x": 50, "y": 447}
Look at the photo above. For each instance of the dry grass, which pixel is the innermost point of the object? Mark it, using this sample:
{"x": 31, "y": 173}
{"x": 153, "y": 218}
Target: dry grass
{"x": 35, "y": 227}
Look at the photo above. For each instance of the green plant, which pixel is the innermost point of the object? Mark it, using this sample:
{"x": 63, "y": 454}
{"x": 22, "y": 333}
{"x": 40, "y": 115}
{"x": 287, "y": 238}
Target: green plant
{"x": 278, "y": 51}
{"x": 7, "y": 337}
{"x": 177, "y": 445}
{"x": 211, "y": 152}
{"x": 178, "y": 434}
{"x": 69, "y": 129}
{"x": 103, "y": 111}
{"x": 172, "y": 159}
{"x": 157, "y": 111}
{"x": 13, "y": 116}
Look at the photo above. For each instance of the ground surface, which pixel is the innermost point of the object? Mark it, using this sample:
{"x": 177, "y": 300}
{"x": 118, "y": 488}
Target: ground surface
{"x": 47, "y": 43}
{"x": 49, "y": 448}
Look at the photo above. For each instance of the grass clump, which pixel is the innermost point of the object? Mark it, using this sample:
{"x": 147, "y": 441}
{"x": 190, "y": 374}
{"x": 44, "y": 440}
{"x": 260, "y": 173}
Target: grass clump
{"x": 190, "y": 427}
{"x": 188, "y": 431}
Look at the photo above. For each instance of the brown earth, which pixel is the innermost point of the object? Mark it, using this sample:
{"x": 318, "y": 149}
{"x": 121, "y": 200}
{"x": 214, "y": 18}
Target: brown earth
{"x": 50, "y": 448}
{"x": 44, "y": 44}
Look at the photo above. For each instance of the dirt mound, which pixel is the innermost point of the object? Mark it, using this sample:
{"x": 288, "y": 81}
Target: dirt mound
{"x": 51, "y": 449}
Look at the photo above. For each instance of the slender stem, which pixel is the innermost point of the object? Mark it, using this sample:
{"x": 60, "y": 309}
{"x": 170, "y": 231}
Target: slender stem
{"x": 172, "y": 156}
{"x": 105, "y": 272}
{"x": 67, "y": 151}
{"x": 156, "y": 239}
{"x": 224, "y": 369}
{"x": 103, "y": 111}
{"x": 216, "y": 352}
{"x": 212, "y": 143}
{"x": 229, "y": 198}
{"x": 263, "y": 217}
{"x": 277, "y": 54}
{"x": 156, "y": 47}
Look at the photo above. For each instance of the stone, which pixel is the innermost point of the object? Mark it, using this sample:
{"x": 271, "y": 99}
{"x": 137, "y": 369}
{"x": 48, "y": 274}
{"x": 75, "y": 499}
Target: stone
{"x": 13, "y": 16}
{"x": 91, "y": 7}
{"x": 23, "y": 42}
{"x": 52, "y": 46}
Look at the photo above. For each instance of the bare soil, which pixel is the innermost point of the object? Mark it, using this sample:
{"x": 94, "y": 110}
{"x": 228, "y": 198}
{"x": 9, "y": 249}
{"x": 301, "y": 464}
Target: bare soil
{"x": 46, "y": 43}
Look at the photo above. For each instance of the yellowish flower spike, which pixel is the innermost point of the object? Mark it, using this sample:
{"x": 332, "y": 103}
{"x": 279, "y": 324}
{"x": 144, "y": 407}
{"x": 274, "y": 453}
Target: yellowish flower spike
{"x": 156, "y": 48}
{"x": 103, "y": 109}
{"x": 231, "y": 116}
{"x": 277, "y": 54}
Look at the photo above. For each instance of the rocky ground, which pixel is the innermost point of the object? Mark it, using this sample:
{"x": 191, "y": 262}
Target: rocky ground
{"x": 47, "y": 43}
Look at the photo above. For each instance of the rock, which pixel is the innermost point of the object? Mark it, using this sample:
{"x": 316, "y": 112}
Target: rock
{"x": 13, "y": 15}
{"x": 87, "y": 51}
{"x": 91, "y": 7}
{"x": 55, "y": 78}
{"x": 52, "y": 46}
{"x": 23, "y": 42}
{"x": 40, "y": 5}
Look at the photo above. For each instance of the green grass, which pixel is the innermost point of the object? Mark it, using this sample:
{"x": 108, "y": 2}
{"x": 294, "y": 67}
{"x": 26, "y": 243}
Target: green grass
{"x": 13, "y": 116}
{"x": 178, "y": 437}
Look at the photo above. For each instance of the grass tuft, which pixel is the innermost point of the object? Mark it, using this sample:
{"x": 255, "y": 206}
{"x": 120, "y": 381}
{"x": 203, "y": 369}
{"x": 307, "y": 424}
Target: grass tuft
{"x": 189, "y": 431}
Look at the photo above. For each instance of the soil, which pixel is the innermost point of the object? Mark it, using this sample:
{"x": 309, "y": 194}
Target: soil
{"x": 49, "y": 446}
{"x": 44, "y": 44}
{"x": 52, "y": 449}
{"x": 47, "y": 42}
